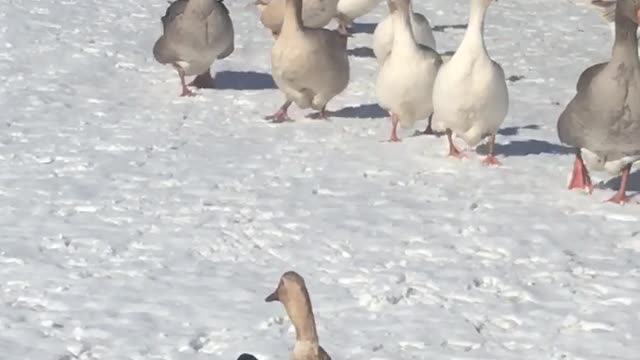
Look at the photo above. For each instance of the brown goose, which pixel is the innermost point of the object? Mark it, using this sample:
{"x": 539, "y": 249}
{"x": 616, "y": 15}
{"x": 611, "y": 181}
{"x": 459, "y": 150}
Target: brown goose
{"x": 292, "y": 293}
{"x": 310, "y": 66}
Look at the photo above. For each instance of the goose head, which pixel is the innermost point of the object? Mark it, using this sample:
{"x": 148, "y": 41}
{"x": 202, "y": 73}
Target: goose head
{"x": 292, "y": 293}
{"x": 630, "y": 9}
{"x": 291, "y": 290}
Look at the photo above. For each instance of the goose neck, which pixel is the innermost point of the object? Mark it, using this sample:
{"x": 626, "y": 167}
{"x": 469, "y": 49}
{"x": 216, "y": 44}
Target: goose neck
{"x": 306, "y": 328}
{"x": 626, "y": 39}
{"x": 204, "y": 6}
{"x": 403, "y": 37}
{"x": 475, "y": 27}
{"x": 292, "y": 16}
{"x": 300, "y": 312}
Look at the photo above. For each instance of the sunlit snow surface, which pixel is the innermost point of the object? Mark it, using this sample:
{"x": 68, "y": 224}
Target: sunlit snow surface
{"x": 135, "y": 224}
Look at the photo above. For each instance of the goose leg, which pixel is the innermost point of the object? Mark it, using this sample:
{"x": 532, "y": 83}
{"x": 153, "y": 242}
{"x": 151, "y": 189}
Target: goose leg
{"x": 580, "y": 177}
{"x": 394, "y": 127}
{"x": 620, "y": 197}
{"x": 319, "y": 103}
{"x": 342, "y": 29}
{"x": 185, "y": 89}
{"x": 203, "y": 81}
{"x": 281, "y": 115}
{"x": 453, "y": 151}
{"x": 323, "y": 114}
{"x": 343, "y": 23}
{"x": 491, "y": 158}
{"x": 429, "y": 129}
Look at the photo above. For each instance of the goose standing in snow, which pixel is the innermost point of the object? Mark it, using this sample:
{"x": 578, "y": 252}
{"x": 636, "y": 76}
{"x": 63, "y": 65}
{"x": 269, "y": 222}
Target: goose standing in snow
{"x": 195, "y": 34}
{"x": 292, "y": 293}
{"x": 405, "y": 79}
{"x": 315, "y": 13}
{"x": 470, "y": 96}
{"x": 349, "y": 10}
{"x": 383, "y": 34}
{"x": 310, "y": 66}
{"x": 602, "y": 121}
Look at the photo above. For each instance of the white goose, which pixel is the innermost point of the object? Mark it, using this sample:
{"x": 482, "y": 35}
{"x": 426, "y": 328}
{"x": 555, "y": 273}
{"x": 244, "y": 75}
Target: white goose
{"x": 349, "y": 10}
{"x": 196, "y": 32}
{"x": 405, "y": 80}
{"x": 383, "y": 34}
{"x": 315, "y": 13}
{"x": 310, "y": 66}
{"x": 470, "y": 96}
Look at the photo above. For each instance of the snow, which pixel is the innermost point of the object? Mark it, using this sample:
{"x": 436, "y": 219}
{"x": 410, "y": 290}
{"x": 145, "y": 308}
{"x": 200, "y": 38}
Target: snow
{"x": 139, "y": 225}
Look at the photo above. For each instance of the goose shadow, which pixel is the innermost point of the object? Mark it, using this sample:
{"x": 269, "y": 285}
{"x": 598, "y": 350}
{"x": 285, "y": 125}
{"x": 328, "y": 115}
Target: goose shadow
{"x": 243, "y": 80}
{"x": 362, "y": 28}
{"x": 364, "y": 111}
{"x": 362, "y": 51}
{"x": 514, "y": 130}
{"x": 442, "y": 28}
{"x": 527, "y": 147}
{"x": 633, "y": 183}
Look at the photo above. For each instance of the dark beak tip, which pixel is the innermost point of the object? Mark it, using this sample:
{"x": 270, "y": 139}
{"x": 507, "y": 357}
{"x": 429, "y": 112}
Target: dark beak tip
{"x": 272, "y": 297}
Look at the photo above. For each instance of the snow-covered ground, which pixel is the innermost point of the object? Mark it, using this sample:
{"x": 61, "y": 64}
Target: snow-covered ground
{"x": 135, "y": 224}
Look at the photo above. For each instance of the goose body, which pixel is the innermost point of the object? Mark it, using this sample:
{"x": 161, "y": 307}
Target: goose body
{"x": 470, "y": 93}
{"x": 406, "y": 77}
{"x": 315, "y": 13}
{"x": 310, "y": 66}
{"x": 195, "y": 34}
{"x": 602, "y": 121}
{"x": 383, "y": 34}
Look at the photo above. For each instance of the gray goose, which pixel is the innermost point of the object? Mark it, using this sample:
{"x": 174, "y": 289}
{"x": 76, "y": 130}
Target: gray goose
{"x": 602, "y": 121}
{"x": 195, "y": 34}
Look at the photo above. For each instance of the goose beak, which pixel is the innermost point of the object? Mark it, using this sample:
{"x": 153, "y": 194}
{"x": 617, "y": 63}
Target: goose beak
{"x": 272, "y": 297}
